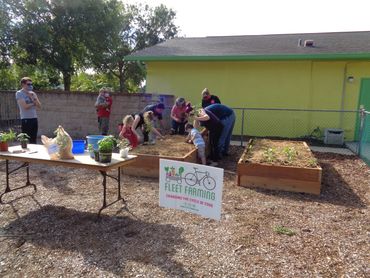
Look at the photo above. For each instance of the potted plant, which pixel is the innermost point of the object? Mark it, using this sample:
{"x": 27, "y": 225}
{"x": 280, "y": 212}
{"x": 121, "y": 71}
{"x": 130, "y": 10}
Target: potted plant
{"x": 23, "y": 138}
{"x": 124, "y": 146}
{"x": 5, "y": 138}
{"x": 93, "y": 153}
{"x": 106, "y": 146}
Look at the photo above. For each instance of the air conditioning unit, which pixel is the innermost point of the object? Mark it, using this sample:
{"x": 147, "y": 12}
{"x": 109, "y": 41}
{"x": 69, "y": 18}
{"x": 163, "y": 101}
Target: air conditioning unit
{"x": 334, "y": 136}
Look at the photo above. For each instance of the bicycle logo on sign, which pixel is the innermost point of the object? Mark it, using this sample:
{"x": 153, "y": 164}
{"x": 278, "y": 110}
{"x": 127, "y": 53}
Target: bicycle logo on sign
{"x": 200, "y": 178}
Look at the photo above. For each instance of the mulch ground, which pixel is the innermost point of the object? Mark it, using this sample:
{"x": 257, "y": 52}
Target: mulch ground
{"x": 53, "y": 232}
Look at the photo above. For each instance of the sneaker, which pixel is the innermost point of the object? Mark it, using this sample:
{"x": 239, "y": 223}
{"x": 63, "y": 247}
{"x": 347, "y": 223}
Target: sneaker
{"x": 213, "y": 163}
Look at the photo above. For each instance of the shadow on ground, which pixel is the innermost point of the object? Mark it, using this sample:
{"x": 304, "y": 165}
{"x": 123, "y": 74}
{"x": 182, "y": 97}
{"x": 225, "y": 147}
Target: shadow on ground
{"x": 56, "y": 178}
{"x": 108, "y": 243}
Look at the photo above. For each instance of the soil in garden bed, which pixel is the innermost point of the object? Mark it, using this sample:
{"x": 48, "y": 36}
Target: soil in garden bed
{"x": 173, "y": 145}
{"x": 276, "y": 152}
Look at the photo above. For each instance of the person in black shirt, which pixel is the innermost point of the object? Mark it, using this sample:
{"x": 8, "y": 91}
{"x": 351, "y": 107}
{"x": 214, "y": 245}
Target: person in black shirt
{"x": 213, "y": 124}
{"x": 208, "y": 99}
{"x": 157, "y": 110}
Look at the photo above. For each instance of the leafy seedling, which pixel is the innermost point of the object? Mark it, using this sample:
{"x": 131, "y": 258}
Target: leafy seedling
{"x": 270, "y": 154}
{"x": 313, "y": 162}
{"x": 290, "y": 153}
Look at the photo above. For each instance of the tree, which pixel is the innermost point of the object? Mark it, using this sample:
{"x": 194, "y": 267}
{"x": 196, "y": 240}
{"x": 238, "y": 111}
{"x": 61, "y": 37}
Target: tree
{"x": 6, "y": 38}
{"x": 140, "y": 27}
{"x": 55, "y": 33}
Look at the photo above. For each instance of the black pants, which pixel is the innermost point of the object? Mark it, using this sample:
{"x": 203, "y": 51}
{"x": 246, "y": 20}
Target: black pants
{"x": 30, "y": 127}
{"x": 214, "y": 138}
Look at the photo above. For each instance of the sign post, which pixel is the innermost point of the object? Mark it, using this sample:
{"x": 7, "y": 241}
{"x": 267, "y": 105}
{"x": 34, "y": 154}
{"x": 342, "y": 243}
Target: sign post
{"x": 191, "y": 187}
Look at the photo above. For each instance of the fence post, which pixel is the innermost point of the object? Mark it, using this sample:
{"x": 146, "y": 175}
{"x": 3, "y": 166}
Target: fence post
{"x": 361, "y": 131}
{"x": 242, "y": 129}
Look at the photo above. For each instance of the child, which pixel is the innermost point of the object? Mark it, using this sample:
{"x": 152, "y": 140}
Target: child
{"x": 179, "y": 116}
{"x": 196, "y": 138}
{"x": 126, "y": 131}
{"x": 101, "y": 101}
{"x": 148, "y": 127}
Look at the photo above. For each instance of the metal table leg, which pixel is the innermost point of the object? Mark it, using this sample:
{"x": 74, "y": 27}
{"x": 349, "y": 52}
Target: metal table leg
{"x": 119, "y": 197}
{"x": 8, "y": 172}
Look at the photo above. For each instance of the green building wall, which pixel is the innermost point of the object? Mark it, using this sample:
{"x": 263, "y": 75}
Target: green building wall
{"x": 269, "y": 84}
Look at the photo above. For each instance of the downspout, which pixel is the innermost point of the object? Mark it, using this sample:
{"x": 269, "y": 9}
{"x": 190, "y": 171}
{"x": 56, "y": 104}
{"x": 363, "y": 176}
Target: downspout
{"x": 343, "y": 95}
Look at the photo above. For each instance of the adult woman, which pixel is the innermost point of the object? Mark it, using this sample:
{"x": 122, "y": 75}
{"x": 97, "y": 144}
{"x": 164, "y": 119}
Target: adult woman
{"x": 227, "y": 118}
{"x": 27, "y": 102}
{"x": 145, "y": 122}
{"x": 179, "y": 116}
{"x": 213, "y": 124}
{"x": 208, "y": 99}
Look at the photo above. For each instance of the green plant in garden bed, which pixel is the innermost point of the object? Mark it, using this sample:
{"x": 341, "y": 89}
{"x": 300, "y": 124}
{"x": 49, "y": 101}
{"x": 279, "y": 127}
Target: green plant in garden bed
{"x": 281, "y": 230}
{"x": 313, "y": 162}
{"x": 290, "y": 153}
{"x": 270, "y": 154}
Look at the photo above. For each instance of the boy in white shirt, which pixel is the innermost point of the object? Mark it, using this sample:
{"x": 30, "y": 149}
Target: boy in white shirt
{"x": 196, "y": 138}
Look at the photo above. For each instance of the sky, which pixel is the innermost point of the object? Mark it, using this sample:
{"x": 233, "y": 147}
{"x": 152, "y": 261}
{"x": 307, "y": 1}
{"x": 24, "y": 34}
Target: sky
{"x": 201, "y": 18}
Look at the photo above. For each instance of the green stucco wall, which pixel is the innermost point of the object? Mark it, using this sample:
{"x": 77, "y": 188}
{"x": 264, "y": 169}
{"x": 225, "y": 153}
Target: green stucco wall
{"x": 273, "y": 84}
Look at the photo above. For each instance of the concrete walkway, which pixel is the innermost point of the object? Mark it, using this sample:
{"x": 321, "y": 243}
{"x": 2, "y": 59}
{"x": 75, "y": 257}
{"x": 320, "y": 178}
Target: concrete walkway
{"x": 343, "y": 151}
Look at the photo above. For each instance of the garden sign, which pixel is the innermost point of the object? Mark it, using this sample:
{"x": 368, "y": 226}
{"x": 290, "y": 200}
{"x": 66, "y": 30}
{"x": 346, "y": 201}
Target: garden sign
{"x": 191, "y": 187}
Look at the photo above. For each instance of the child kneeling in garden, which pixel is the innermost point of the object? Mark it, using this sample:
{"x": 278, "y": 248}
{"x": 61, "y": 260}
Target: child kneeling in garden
{"x": 196, "y": 138}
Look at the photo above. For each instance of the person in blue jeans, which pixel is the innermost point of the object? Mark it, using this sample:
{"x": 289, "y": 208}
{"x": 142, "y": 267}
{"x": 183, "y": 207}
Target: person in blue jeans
{"x": 227, "y": 118}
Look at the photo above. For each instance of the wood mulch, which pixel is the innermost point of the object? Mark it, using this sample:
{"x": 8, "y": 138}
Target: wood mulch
{"x": 53, "y": 232}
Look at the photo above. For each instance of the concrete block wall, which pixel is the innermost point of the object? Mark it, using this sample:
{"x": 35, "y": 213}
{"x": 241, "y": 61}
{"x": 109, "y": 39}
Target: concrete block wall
{"x": 75, "y": 111}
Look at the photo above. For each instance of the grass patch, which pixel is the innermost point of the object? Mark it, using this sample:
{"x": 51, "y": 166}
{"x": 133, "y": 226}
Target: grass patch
{"x": 281, "y": 230}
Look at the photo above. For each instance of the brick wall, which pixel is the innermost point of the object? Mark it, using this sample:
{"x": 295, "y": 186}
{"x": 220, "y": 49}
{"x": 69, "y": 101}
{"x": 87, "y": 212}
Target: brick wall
{"x": 75, "y": 111}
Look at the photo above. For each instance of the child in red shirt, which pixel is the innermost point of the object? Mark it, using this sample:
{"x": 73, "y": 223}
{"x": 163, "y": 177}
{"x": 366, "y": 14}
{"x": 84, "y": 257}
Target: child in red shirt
{"x": 126, "y": 131}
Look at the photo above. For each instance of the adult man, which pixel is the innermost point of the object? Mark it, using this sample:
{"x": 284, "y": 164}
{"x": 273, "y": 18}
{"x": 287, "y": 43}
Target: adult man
{"x": 208, "y": 99}
{"x": 157, "y": 110}
{"x": 103, "y": 106}
{"x": 27, "y": 102}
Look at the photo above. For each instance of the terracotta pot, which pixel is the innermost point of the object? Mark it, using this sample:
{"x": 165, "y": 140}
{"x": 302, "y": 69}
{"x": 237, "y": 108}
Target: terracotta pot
{"x": 4, "y": 146}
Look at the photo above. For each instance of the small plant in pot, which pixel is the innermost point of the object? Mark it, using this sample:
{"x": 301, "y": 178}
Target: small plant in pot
{"x": 124, "y": 147}
{"x": 93, "y": 153}
{"x": 106, "y": 146}
{"x": 23, "y": 138}
{"x": 5, "y": 138}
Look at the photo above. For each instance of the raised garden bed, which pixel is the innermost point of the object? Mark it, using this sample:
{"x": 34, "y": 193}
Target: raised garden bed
{"x": 147, "y": 162}
{"x": 279, "y": 165}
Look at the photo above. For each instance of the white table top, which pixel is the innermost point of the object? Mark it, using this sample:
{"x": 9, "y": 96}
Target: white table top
{"x": 38, "y": 154}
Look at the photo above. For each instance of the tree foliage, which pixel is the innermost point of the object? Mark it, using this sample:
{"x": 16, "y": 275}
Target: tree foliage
{"x": 64, "y": 37}
{"x": 142, "y": 26}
